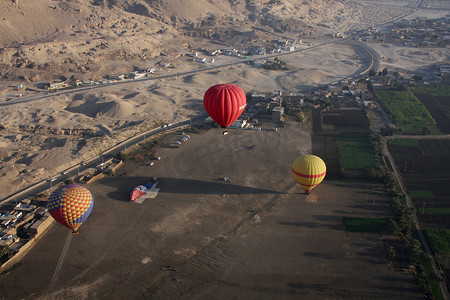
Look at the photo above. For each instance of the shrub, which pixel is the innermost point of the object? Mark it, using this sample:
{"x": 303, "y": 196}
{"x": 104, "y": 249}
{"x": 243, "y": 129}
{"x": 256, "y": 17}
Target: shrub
{"x": 121, "y": 156}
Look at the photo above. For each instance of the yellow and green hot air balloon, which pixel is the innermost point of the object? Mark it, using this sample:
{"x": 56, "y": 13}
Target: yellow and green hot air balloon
{"x": 309, "y": 171}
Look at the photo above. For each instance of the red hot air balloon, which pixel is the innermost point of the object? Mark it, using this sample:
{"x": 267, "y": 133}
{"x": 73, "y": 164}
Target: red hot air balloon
{"x": 224, "y": 103}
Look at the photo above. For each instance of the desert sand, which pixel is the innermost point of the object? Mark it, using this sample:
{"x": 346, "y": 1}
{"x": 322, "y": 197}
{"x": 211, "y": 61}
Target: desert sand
{"x": 87, "y": 42}
{"x": 115, "y": 113}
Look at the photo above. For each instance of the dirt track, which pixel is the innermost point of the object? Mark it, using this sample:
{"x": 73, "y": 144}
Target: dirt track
{"x": 255, "y": 237}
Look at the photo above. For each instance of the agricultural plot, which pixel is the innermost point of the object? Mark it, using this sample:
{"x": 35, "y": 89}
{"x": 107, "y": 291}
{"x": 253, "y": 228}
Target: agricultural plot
{"x": 350, "y": 124}
{"x": 439, "y": 239}
{"x": 425, "y": 168}
{"x": 366, "y": 224}
{"x": 325, "y": 147}
{"x": 407, "y": 112}
{"x": 356, "y": 153}
{"x": 438, "y": 105}
{"x": 346, "y": 122}
{"x": 424, "y": 165}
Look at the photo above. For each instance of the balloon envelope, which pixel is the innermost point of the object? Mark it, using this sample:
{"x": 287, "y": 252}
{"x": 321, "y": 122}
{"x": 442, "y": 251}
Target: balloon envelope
{"x": 309, "y": 171}
{"x": 70, "y": 205}
{"x": 224, "y": 103}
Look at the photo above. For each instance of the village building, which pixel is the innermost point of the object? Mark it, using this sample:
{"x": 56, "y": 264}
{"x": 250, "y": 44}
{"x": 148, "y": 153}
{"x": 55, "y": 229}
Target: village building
{"x": 277, "y": 114}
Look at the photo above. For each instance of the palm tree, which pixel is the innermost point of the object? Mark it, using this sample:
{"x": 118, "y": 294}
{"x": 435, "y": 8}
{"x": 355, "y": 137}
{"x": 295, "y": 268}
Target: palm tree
{"x": 391, "y": 253}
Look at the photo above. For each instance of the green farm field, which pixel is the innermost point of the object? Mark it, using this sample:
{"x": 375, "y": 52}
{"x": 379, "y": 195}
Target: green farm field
{"x": 407, "y": 112}
{"x": 356, "y": 153}
{"x": 366, "y": 224}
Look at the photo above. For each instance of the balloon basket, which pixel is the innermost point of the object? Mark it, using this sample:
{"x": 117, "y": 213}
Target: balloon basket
{"x": 74, "y": 232}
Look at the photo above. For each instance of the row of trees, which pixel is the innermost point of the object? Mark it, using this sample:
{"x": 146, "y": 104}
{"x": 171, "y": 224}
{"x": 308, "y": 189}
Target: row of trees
{"x": 300, "y": 117}
{"x": 403, "y": 224}
{"x": 275, "y": 64}
{"x": 385, "y": 72}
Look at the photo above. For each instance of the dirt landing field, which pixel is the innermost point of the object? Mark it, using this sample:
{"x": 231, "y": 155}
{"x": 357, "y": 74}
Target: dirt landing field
{"x": 255, "y": 237}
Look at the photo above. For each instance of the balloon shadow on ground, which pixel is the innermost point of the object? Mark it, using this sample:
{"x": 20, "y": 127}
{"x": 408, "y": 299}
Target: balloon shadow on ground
{"x": 314, "y": 287}
{"x": 170, "y": 145}
{"x": 124, "y": 186}
{"x": 331, "y": 222}
{"x": 299, "y": 224}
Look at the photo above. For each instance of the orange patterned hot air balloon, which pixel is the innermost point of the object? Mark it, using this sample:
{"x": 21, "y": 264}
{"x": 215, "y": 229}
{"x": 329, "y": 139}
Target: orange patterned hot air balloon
{"x": 309, "y": 171}
{"x": 70, "y": 205}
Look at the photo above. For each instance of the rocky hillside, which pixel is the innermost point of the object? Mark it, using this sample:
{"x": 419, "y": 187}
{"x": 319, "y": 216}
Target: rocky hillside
{"x": 48, "y": 39}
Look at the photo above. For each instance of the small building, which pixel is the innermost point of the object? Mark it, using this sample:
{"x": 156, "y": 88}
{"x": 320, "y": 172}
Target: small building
{"x": 262, "y": 107}
{"x": 274, "y": 104}
{"x": 39, "y": 225}
{"x": 7, "y": 231}
{"x": 7, "y": 239}
{"x": 110, "y": 166}
{"x": 24, "y": 207}
{"x": 277, "y": 114}
{"x": 257, "y": 97}
{"x": 139, "y": 75}
{"x": 58, "y": 85}
{"x": 7, "y": 220}
{"x": 288, "y": 48}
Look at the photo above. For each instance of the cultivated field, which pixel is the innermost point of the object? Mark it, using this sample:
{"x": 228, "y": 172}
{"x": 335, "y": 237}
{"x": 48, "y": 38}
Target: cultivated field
{"x": 356, "y": 153}
{"x": 424, "y": 166}
{"x": 407, "y": 112}
{"x": 340, "y": 137}
{"x": 437, "y": 102}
